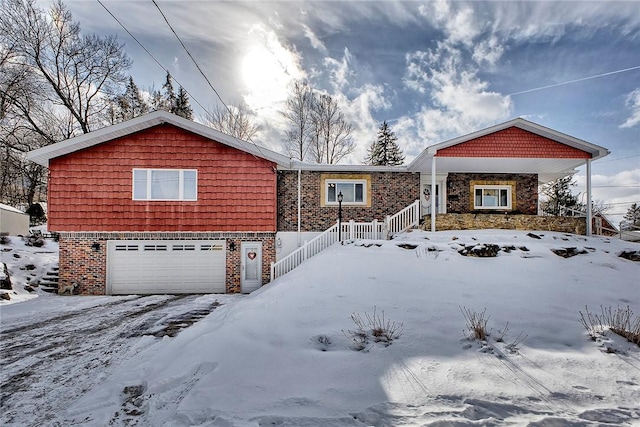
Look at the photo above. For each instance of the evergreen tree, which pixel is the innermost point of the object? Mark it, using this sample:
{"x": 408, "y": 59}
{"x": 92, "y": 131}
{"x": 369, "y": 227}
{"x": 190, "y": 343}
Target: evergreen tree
{"x": 130, "y": 104}
{"x": 181, "y": 106}
{"x": 632, "y": 217}
{"x": 168, "y": 95}
{"x": 384, "y": 151}
{"x": 559, "y": 198}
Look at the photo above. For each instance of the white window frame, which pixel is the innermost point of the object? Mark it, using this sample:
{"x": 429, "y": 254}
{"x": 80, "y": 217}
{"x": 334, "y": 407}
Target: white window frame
{"x": 181, "y": 185}
{"x": 362, "y": 182}
{"x": 508, "y": 188}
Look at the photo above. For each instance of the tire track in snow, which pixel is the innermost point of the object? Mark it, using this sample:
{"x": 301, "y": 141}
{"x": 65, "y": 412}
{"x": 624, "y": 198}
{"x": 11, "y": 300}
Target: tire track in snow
{"x": 48, "y": 364}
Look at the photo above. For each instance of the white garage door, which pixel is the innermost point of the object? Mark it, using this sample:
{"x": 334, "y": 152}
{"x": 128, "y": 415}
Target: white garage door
{"x": 166, "y": 266}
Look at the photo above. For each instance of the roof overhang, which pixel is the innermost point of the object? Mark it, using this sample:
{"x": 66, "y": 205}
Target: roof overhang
{"x": 44, "y": 155}
{"x": 548, "y": 169}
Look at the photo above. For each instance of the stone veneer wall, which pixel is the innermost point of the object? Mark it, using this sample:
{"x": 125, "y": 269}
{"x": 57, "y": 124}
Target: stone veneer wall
{"x": 459, "y": 191}
{"x": 88, "y": 268}
{"x": 575, "y": 225}
{"x": 390, "y": 193}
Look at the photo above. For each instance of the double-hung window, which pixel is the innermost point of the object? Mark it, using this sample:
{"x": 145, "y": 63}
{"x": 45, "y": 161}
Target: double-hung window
{"x": 492, "y": 197}
{"x": 353, "y": 191}
{"x": 165, "y": 184}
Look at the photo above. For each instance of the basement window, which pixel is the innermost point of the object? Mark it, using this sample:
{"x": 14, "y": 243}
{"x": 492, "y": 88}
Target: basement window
{"x": 492, "y": 197}
{"x": 165, "y": 184}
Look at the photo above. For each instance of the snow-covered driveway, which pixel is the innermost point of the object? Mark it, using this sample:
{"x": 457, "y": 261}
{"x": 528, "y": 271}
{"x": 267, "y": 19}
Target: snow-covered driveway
{"x": 49, "y": 358}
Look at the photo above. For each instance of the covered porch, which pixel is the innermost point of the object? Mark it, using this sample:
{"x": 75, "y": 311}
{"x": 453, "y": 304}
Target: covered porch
{"x": 490, "y": 178}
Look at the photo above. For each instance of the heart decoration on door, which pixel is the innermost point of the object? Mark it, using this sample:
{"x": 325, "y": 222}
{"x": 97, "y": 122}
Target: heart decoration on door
{"x": 251, "y": 255}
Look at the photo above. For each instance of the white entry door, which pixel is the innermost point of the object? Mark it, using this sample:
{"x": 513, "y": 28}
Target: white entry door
{"x": 250, "y": 266}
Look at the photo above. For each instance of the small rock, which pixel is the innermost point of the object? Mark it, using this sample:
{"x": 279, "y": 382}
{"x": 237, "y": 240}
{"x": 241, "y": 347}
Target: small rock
{"x": 5, "y": 295}
{"x": 29, "y": 288}
{"x": 630, "y": 255}
{"x": 534, "y": 236}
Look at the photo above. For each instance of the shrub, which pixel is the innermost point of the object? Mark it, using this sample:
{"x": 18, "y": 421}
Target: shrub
{"x": 621, "y": 321}
{"x": 476, "y": 323}
{"x": 373, "y": 327}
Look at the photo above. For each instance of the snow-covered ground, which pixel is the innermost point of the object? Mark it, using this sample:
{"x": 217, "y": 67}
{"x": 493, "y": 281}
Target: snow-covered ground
{"x": 281, "y": 356}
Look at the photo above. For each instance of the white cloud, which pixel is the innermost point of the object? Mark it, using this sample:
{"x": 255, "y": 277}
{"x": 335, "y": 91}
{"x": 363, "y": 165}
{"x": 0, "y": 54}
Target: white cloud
{"x": 460, "y": 101}
{"x": 633, "y": 104}
{"x": 316, "y": 43}
{"x": 457, "y": 20}
{"x": 339, "y": 70}
{"x": 488, "y": 52}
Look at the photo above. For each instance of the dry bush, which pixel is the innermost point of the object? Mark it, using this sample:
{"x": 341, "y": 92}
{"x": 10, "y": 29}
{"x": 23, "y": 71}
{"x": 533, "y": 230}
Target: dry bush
{"x": 476, "y": 323}
{"x": 373, "y": 327}
{"x": 621, "y": 321}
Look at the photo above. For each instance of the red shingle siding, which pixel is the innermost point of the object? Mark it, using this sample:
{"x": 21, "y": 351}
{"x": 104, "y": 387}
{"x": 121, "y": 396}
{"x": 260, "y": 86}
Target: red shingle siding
{"x": 91, "y": 189}
{"x": 513, "y": 142}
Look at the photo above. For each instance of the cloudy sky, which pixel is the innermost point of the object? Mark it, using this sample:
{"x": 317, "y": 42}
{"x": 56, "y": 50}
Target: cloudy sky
{"x": 433, "y": 70}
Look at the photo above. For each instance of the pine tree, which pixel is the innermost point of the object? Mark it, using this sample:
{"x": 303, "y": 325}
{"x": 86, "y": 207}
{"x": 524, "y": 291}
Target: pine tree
{"x": 384, "y": 151}
{"x": 559, "y": 197}
{"x": 168, "y": 95}
{"x": 130, "y": 104}
{"x": 181, "y": 106}
{"x": 632, "y": 217}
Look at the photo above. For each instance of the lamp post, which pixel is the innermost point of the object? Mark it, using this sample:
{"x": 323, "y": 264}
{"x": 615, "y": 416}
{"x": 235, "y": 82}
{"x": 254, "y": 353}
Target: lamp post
{"x": 340, "y": 216}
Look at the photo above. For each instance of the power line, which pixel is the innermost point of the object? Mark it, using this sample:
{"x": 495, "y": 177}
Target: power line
{"x": 203, "y": 74}
{"x": 615, "y": 160}
{"x": 637, "y": 67}
{"x": 149, "y": 53}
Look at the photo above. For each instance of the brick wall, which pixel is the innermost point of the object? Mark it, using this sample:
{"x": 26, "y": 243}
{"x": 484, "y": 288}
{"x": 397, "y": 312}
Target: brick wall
{"x": 390, "y": 192}
{"x": 81, "y": 264}
{"x": 459, "y": 194}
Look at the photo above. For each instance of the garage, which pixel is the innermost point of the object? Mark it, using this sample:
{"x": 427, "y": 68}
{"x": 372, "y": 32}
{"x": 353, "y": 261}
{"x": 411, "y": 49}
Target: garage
{"x": 166, "y": 266}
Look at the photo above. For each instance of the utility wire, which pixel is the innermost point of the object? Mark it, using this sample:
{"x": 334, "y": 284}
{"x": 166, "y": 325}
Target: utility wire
{"x": 637, "y": 67}
{"x": 233, "y": 116}
{"x": 615, "y": 160}
{"x": 149, "y": 53}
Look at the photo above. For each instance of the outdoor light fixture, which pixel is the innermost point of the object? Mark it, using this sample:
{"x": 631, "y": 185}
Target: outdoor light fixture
{"x": 95, "y": 247}
{"x": 340, "y": 216}
{"x": 232, "y": 246}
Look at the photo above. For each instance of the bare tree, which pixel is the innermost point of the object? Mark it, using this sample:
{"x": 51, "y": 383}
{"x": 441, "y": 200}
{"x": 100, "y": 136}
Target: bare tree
{"x": 54, "y": 84}
{"x": 78, "y": 73}
{"x": 233, "y": 120}
{"x": 331, "y": 138}
{"x": 297, "y": 110}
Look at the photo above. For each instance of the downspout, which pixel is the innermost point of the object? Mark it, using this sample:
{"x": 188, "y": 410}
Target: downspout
{"x": 299, "y": 206}
{"x": 589, "y": 210}
{"x": 433, "y": 194}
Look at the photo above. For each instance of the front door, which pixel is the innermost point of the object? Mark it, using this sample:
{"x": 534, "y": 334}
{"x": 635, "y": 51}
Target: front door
{"x": 250, "y": 266}
{"x": 430, "y": 200}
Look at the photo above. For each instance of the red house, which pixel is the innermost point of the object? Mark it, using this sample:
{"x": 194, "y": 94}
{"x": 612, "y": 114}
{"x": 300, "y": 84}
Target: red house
{"x": 160, "y": 204}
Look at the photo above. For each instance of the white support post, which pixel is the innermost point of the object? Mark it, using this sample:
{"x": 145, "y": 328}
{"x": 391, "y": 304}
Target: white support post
{"x": 273, "y": 271}
{"x": 299, "y": 206}
{"x": 374, "y": 229}
{"x": 433, "y": 193}
{"x": 352, "y": 227}
{"x": 304, "y": 250}
{"x": 589, "y": 207}
{"x": 387, "y": 227}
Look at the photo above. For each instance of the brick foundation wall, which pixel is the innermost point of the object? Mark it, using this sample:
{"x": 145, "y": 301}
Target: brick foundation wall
{"x": 390, "y": 193}
{"x": 459, "y": 194}
{"x": 81, "y": 264}
{"x": 574, "y": 225}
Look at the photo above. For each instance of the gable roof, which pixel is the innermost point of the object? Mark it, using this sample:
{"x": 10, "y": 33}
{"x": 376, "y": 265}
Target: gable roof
{"x": 548, "y": 167}
{"x": 43, "y": 155}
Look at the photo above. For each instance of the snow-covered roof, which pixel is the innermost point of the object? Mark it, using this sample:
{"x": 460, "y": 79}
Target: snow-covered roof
{"x": 11, "y": 209}
{"x": 43, "y": 155}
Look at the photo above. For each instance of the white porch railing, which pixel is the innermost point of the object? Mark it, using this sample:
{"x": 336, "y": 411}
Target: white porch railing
{"x": 405, "y": 219}
{"x": 374, "y": 230}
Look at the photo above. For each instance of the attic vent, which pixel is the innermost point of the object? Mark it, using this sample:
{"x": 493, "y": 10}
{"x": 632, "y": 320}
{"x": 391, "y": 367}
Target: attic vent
{"x": 155, "y": 247}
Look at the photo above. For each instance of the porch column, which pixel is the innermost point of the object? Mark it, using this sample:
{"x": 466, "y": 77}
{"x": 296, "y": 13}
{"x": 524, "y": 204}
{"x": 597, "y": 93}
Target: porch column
{"x": 589, "y": 210}
{"x": 433, "y": 194}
